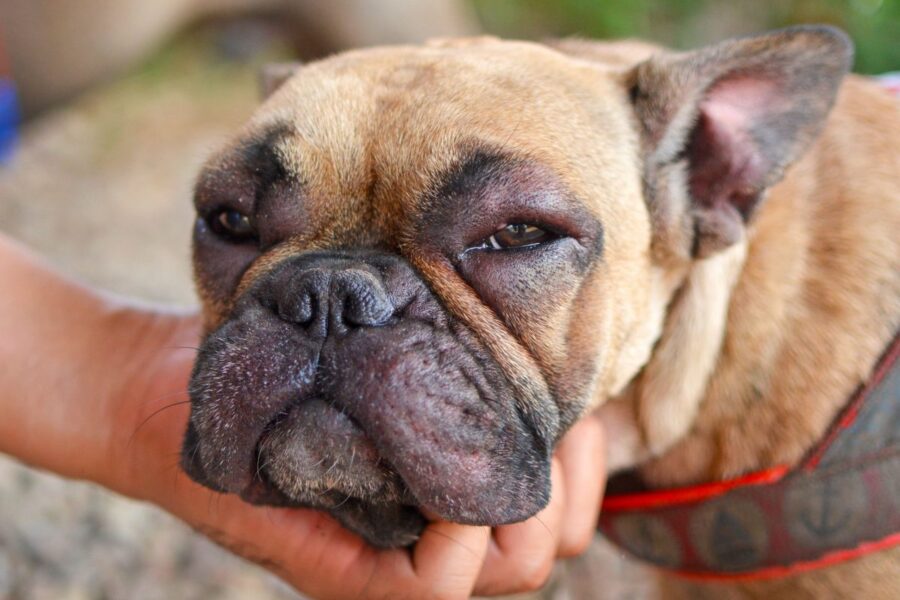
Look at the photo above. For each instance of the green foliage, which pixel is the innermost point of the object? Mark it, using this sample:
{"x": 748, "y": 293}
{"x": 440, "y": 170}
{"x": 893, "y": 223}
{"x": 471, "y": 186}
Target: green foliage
{"x": 874, "y": 25}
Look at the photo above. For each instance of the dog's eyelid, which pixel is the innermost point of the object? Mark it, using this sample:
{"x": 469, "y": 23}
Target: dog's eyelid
{"x": 210, "y": 205}
{"x": 544, "y": 236}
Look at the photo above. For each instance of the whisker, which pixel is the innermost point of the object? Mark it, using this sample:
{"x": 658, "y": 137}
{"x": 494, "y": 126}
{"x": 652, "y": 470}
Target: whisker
{"x": 515, "y": 129}
{"x": 539, "y": 520}
{"x": 333, "y": 465}
{"x": 258, "y": 466}
{"x": 261, "y": 467}
{"x": 153, "y": 414}
{"x": 454, "y": 540}
{"x": 165, "y": 396}
{"x": 321, "y": 460}
{"x": 194, "y": 348}
{"x": 194, "y": 451}
{"x": 341, "y": 503}
{"x": 325, "y": 474}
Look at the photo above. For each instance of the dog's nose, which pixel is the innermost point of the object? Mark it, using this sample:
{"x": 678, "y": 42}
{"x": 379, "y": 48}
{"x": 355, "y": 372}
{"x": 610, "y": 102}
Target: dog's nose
{"x": 333, "y": 299}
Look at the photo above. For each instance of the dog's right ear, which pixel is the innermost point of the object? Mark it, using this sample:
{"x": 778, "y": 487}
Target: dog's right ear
{"x": 721, "y": 124}
{"x": 272, "y": 75}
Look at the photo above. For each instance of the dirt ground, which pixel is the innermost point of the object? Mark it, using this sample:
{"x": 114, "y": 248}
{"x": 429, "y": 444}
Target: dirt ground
{"x": 102, "y": 188}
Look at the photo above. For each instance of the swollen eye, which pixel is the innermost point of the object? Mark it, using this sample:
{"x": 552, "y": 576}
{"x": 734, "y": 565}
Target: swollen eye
{"x": 519, "y": 235}
{"x": 233, "y": 225}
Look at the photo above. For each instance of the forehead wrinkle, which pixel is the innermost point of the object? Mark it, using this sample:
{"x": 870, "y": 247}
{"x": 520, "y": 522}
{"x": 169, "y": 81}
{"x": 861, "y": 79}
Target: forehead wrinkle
{"x": 480, "y": 165}
{"x": 330, "y": 174}
{"x": 475, "y": 166}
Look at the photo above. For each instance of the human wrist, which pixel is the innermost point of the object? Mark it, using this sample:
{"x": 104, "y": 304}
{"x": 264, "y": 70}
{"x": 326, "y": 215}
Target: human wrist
{"x": 148, "y": 404}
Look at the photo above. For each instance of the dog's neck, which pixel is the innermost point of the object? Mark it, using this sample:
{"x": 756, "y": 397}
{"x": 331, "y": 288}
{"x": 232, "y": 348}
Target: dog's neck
{"x": 750, "y": 375}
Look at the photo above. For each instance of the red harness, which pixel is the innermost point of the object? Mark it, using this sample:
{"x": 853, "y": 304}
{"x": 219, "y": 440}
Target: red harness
{"x": 841, "y": 502}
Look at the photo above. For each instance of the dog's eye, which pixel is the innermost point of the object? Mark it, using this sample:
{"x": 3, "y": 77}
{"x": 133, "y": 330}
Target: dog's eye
{"x": 233, "y": 225}
{"x": 518, "y": 235}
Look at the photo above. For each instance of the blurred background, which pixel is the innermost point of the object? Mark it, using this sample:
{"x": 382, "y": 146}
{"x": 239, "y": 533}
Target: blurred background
{"x": 107, "y": 110}
{"x": 874, "y": 25}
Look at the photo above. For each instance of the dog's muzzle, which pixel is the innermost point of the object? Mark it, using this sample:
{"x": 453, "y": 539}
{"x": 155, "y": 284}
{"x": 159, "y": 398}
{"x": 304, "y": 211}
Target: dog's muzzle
{"x": 340, "y": 382}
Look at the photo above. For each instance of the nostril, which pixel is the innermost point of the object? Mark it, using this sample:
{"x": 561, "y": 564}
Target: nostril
{"x": 360, "y": 299}
{"x": 366, "y": 310}
{"x": 301, "y": 298}
{"x": 298, "y": 308}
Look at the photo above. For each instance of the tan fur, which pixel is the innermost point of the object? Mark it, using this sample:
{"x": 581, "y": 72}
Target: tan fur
{"x": 822, "y": 273}
{"x": 673, "y": 381}
{"x": 725, "y": 364}
{"x": 817, "y": 302}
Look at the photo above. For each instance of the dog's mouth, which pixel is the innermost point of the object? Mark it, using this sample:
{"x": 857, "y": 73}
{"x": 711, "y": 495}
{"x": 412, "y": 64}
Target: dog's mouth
{"x": 382, "y": 424}
{"x": 316, "y": 455}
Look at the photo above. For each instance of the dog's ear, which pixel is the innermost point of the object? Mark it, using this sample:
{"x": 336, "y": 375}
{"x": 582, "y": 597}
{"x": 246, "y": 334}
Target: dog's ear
{"x": 272, "y": 75}
{"x": 721, "y": 124}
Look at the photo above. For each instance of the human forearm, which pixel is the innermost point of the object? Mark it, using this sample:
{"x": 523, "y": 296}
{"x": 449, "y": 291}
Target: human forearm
{"x": 64, "y": 355}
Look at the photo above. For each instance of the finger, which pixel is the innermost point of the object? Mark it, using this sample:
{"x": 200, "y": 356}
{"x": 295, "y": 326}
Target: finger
{"x": 521, "y": 556}
{"x": 448, "y": 558}
{"x": 443, "y": 565}
{"x": 582, "y": 454}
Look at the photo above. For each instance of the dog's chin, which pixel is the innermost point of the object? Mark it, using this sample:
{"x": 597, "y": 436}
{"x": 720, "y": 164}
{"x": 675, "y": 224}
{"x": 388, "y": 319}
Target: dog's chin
{"x": 316, "y": 456}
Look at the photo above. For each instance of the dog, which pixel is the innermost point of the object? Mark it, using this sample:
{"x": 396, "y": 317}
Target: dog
{"x": 419, "y": 265}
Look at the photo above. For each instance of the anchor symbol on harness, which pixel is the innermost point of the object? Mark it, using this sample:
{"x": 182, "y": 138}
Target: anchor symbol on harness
{"x": 831, "y": 519}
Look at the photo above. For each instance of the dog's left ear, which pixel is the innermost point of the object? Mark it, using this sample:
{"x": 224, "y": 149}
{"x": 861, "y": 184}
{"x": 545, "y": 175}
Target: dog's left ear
{"x": 723, "y": 123}
{"x": 272, "y": 75}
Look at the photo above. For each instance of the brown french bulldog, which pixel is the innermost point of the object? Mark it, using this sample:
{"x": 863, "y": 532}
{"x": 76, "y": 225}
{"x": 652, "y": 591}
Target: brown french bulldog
{"x": 420, "y": 265}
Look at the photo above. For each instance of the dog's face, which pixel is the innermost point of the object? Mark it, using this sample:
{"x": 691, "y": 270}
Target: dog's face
{"x": 419, "y": 266}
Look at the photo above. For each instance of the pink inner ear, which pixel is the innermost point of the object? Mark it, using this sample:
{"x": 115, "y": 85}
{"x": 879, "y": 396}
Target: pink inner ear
{"x": 749, "y": 94}
{"x": 727, "y": 165}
